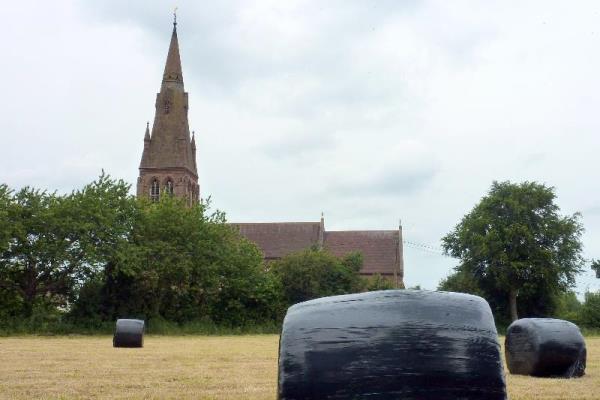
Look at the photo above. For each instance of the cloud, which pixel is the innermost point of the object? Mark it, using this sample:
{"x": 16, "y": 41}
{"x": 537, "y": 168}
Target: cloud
{"x": 394, "y": 179}
{"x": 368, "y": 111}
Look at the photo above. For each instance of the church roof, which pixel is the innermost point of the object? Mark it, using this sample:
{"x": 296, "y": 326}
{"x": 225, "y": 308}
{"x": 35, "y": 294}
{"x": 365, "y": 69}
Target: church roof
{"x": 380, "y": 249}
{"x": 278, "y": 239}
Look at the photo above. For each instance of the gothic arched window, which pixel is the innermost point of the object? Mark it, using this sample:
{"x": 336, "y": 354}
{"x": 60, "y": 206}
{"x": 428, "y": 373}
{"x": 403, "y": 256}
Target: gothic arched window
{"x": 155, "y": 190}
{"x": 169, "y": 186}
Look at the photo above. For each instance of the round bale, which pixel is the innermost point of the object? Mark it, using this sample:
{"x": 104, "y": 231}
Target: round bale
{"x": 129, "y": 333}
{"x": 545, "y": 347}
{"x": 394, "y": 344}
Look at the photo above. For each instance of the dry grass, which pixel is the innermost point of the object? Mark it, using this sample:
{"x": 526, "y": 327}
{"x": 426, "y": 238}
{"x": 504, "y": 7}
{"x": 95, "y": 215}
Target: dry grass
{"x": 234, "y": 367}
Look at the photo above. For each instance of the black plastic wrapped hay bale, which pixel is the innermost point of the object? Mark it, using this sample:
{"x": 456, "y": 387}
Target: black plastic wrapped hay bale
{"x": 129, "y": 333}
{"x": 396, "y": 344}
{"x": 545, "y": 347}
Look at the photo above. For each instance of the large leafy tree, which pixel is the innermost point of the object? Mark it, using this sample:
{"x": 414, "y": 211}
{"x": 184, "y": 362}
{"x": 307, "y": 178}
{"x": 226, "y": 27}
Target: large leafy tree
{"x": 515, "y": 241}
{"x": 185, "y": 264}
{"x": 51, "y": 244}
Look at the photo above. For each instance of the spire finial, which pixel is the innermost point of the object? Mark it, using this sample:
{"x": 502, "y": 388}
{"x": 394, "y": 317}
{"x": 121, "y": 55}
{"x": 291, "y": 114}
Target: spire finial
{"x": 175, "y": 17}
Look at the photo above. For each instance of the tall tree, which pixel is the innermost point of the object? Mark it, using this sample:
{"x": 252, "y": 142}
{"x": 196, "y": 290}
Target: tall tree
{"x": 515, "y": 240}
{"x": 55, "y": 242}
{"x": 184, "y": 263}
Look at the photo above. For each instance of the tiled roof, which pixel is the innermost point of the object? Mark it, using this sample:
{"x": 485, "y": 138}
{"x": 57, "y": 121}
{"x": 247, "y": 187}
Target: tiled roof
{"x": 278, "y": 239}
{"x": 379, "y": 248}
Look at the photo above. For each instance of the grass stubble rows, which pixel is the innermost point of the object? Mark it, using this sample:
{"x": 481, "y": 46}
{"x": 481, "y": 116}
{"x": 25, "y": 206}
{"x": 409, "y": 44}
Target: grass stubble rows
{"x": 193, "y": 367}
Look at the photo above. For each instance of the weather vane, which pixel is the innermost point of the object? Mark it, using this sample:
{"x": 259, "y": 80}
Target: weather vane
{"x": 175, "y": 16}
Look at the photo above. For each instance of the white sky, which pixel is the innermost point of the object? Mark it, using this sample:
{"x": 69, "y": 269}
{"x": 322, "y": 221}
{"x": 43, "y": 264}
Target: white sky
{"x": 369, "y": 111}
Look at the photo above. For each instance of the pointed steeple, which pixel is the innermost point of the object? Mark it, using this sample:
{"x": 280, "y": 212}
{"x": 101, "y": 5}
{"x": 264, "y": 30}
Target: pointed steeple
{"x": 169, "y": 149}
{"x": 173, "y": 71}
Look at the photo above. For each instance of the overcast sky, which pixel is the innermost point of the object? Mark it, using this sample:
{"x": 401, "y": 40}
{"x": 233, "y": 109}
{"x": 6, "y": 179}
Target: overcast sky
{"x": 368, "y": 111}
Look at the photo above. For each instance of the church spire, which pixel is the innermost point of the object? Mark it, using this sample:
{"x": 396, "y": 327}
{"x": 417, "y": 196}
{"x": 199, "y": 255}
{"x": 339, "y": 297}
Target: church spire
{"x": 169, "y": 156}
{"x": 173, "y": 65}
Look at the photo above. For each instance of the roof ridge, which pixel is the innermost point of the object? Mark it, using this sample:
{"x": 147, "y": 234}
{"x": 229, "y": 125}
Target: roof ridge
{"x": 363, "y": 230}
{"x": 276, "y": 223}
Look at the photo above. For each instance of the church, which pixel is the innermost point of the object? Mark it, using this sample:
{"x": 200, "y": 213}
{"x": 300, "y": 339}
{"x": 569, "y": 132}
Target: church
{"x": 168, "y": 167}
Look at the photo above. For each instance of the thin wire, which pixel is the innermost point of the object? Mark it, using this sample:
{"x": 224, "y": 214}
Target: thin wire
{"x": 426, "y": 248}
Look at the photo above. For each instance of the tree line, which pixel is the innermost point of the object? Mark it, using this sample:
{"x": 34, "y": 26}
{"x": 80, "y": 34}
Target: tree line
{"x": 85, "y": 258}
{"x": 98, "y": 253}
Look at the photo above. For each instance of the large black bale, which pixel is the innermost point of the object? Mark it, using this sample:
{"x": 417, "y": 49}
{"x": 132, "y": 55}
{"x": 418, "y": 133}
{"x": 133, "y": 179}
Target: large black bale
{"x": 545, "y": 347}
{"x": 396, "y": 344}
{"x": 129, "y": 333}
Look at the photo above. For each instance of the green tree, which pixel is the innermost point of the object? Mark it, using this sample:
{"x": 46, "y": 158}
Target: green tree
{"x": 515, "y": 241}
{"x": 595, "y": 265}
{"x": 589, "y": 314}
{"x": 185, "y": 264}
{"x": 378, "y": 282}
{"x": 5, "y": 228}
{"x": 461, "y": 281}
{"x": 569, "y": 307}
{"x": 316, "y": 273}
{"x": 56, "y": 242}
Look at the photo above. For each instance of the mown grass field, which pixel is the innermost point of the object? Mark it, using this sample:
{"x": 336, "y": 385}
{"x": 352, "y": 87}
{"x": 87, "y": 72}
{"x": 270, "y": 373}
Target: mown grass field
{"x": 192, "y": 367}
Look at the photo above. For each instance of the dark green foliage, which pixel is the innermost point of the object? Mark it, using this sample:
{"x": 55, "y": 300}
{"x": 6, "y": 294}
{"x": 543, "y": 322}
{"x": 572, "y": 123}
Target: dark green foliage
{"x": 378, "y": 282}
{"x": 52, "y": 244}
{"x": 183, "y": 264}
{"x": 460, "y": 281}
{"x": 517, "y": 248}
{"x": 316, "y": 273}
{"x": 353, "y": 261}
{"x": 76, "y": 262}
{"x": 568, "y": 307}
{"x": 596, "y": 267}
{"x": 590, "y": 310}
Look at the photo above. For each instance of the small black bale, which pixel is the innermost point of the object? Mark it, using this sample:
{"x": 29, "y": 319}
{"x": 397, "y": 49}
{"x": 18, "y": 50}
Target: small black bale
{"x": 545, "y": 347}
{"x": 394, "y": 344}
{"x": 129, "y": 333}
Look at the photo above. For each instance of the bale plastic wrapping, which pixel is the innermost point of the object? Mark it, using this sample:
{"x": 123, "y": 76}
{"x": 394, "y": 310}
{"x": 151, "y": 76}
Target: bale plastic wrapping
{"x": 396, "y": 344}
{"x": 129, "y": 333}
{"x": 545, "y": 347}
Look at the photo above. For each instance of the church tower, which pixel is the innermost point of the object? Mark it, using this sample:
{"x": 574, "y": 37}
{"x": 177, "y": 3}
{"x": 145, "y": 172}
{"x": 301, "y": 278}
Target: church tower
{"x": 168, "y": 163}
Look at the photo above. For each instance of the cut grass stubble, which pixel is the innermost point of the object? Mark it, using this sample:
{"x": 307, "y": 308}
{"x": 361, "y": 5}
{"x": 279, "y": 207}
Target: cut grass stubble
{"x": 186, "y": 367}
